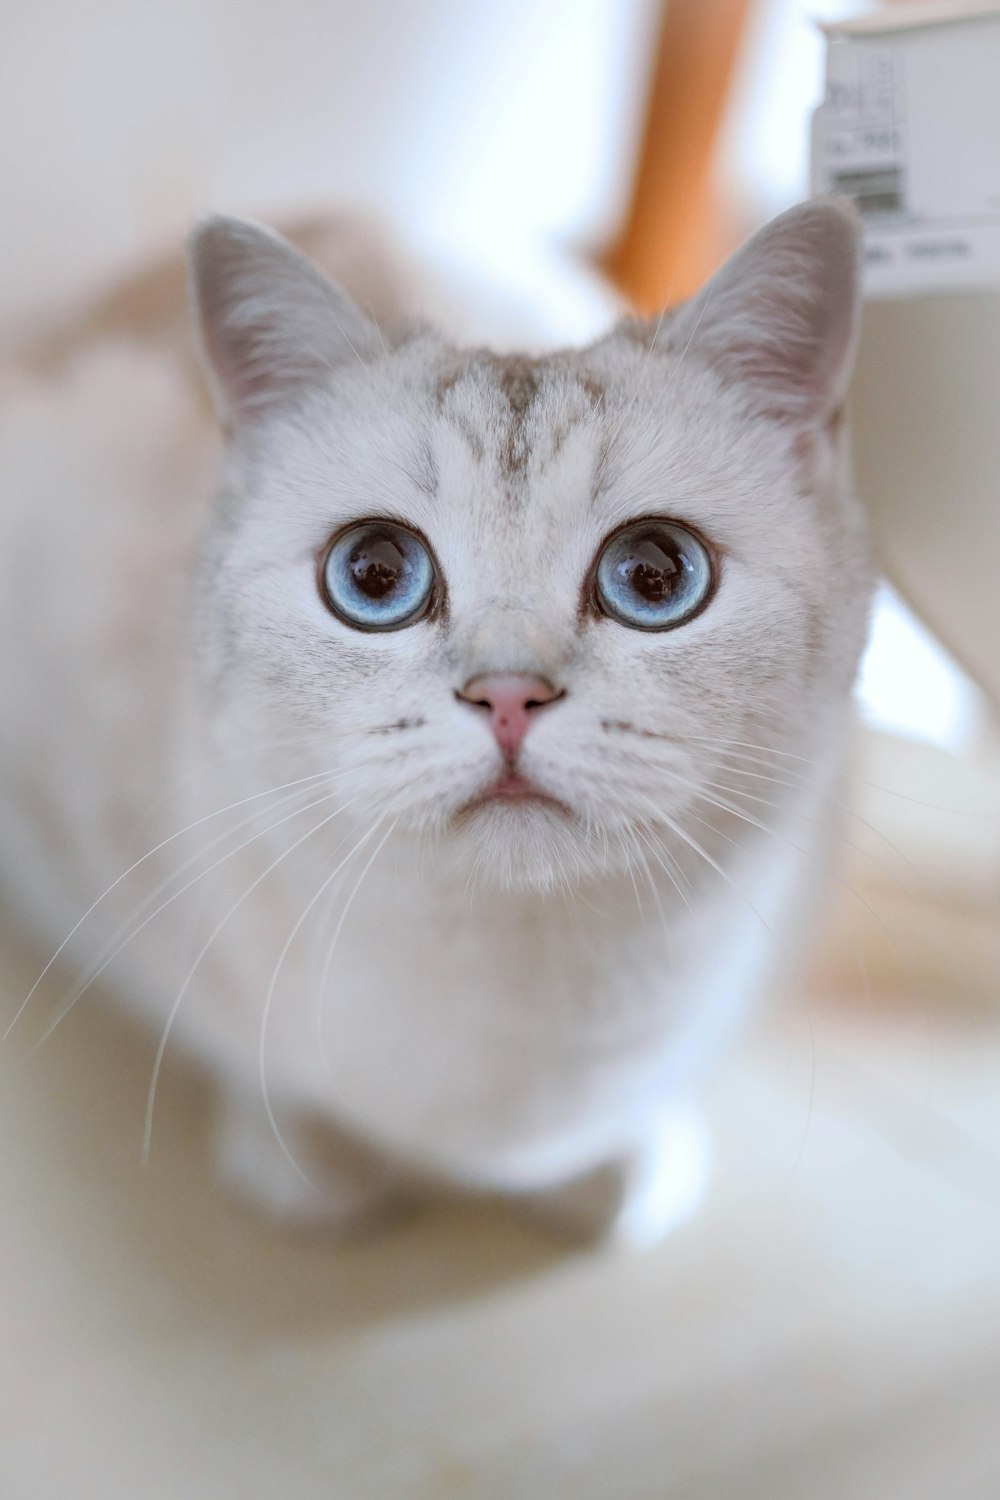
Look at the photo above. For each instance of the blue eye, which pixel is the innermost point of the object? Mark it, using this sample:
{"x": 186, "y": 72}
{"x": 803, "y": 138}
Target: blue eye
{"x": 377, "y": 576}
{"x": 654, "y": 575}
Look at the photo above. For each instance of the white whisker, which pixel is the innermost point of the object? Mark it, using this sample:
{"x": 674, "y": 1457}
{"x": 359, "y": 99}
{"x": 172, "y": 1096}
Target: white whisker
{"x": 837, "y": 878}
{"x": 657, "y": 855}
{"x": 731, "y": 747}
{"x": 189, "y": 976}
{"x": 331, "y": 947}
{"x": 723, "y": 874}
{"x": 255, "y": 796}
{"x": 644, "y": 865}
{"x": 99, "y": 970}
{"x": 124, "y": 933}
{"x": 272, "y": 986}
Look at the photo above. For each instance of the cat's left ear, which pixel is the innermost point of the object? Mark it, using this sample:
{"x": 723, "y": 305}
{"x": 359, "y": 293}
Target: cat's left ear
{"x": 271, "y": 325}
{"x": 780, "y": 319}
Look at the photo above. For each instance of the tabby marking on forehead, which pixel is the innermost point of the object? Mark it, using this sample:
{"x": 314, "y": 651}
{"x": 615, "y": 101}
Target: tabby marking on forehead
{"x": 519, "y": 380}
{"x": 513, "y": 379}
{"x": 515, "y": 385}
{"x": 444, "y": 395}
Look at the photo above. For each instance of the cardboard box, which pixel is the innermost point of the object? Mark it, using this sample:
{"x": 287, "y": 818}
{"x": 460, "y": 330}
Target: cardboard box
{"x": 925, "y": 418}
{"x": 910, "y": 129}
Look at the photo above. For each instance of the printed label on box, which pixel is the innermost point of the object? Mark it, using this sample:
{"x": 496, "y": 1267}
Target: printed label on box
{"x": 864, "y": 140}
{"x": 910, "y": 129}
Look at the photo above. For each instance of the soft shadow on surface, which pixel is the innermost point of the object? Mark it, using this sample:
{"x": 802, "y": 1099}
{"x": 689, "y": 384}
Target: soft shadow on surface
{"x": 166, "y": 1233}
{"x": 828, "y": 1326}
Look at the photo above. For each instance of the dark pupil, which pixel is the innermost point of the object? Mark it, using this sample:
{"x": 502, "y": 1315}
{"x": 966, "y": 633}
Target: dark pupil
{"x": 651, "y": 571}
{"x": 377, "y": 565}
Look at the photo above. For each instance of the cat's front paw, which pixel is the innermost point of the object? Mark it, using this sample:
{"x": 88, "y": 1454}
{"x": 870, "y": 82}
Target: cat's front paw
{"x": 312, "y": 1178}
{"x": 638, "y": 1200}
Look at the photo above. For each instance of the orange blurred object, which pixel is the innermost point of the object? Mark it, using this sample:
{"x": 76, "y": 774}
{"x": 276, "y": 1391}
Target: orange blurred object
{"x": 674, "y": 235}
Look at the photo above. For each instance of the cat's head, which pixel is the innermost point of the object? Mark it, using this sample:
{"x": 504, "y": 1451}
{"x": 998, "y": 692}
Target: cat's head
{"x": 523, "y": 605}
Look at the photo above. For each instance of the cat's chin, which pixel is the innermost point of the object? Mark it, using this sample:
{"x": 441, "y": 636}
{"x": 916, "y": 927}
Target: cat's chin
{"x": 525, "y": 840}
{"x": 513, "y": 792}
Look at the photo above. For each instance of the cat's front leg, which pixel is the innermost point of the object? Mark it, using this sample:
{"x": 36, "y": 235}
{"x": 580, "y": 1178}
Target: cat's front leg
{"x": 312, "y": 1177}
{"x": 637, "y": 1199}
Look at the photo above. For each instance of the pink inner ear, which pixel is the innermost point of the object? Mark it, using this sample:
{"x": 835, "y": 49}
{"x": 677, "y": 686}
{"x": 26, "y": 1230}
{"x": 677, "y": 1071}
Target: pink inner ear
{"x": 247, "y": 374}
{"x": 780, "y": 318}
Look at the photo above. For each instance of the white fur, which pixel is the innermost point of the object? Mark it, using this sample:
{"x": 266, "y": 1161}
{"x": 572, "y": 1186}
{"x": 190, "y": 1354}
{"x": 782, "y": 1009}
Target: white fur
{"x": 519, "y": 999}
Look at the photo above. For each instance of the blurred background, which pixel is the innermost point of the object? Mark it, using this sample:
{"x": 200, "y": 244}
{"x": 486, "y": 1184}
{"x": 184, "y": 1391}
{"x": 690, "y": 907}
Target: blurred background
{"x": 831, "y": 1326}
{"x": 509, "y": 126}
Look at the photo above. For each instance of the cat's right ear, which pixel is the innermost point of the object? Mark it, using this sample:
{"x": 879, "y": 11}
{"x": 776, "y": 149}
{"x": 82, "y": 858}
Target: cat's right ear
{"x": 271, "y": 325}
{"x": 779, "y": 321}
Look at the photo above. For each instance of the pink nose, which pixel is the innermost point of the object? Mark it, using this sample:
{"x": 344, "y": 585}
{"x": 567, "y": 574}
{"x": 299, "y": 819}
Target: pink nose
{"x": 511, "y": 699}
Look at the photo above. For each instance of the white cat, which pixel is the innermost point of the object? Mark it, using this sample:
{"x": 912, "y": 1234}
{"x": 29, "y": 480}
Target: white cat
{"x": 502, "y": 718}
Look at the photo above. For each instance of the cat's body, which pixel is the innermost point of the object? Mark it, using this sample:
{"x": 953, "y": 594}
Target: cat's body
{"x": 506, "y": 984}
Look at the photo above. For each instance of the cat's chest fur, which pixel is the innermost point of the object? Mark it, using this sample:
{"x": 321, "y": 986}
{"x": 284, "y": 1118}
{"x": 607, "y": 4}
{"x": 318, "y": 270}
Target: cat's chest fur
{"x": 495, "y": 1038}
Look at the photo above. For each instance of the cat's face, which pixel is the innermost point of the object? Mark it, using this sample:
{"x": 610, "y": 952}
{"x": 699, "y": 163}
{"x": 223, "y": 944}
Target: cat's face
{"x": 524, "y": 606}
